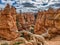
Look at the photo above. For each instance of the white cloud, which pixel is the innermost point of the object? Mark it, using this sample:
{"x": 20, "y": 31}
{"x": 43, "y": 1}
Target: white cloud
{"x": 2, "y": 6}
{"x": 37, "y": 3}
{"x": 3, "y": 1}
{"x": 40, "y": 2}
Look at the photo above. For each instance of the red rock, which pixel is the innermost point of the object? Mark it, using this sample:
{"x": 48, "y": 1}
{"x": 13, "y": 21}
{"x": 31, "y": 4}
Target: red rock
{"x": 48, "y": 19}
{"x": 8, "y": 28}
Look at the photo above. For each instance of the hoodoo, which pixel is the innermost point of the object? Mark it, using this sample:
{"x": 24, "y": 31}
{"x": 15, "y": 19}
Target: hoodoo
{"x": 25, "y": 20}
{"x": 8, "y": 28}
{"x": 48, "y": 21}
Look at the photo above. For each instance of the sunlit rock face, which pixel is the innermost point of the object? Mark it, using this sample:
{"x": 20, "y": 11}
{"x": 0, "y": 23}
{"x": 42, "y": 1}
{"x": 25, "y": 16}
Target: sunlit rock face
{"x": 13, "y": 12}
{"x": 8, "y": 28}
{"x": 48, "y": 21}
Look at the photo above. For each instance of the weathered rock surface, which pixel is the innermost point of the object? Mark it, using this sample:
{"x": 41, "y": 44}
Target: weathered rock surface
{"x": 25, "y": 20}
{"x": 48, "y": 20}
{"x": 8, "y": 28}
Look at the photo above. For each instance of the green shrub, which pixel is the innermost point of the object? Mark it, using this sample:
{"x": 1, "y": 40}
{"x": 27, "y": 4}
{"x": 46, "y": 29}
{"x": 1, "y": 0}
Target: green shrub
{"x": 17, "y": 43}
{"x": 4, "y": 44}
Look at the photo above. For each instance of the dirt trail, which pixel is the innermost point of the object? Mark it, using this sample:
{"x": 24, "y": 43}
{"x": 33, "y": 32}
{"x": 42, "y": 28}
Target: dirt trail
{"x": 54, "y": 41}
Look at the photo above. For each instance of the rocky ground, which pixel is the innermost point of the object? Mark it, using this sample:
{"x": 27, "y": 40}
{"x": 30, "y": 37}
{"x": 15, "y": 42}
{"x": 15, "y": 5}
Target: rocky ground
{"x": 54, "y": 41}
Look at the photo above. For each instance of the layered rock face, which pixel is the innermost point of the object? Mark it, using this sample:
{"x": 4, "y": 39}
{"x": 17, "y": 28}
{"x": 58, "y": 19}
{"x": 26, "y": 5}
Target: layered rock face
{"x": 48, "y": 21}
{"x": 8, "y": 28}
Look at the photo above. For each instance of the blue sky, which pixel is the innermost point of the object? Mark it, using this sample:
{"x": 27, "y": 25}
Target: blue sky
{"x": 1, "y": 2}
{"x": 39, "y": 4}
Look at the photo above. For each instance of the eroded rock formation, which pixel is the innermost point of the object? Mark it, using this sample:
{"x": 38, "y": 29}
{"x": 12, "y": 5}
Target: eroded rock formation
{"x": 25, "y": 20}
{"x": 8, "y": 28}
{"x": 48, "y": 21}
{"x": 20, "y": 21}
